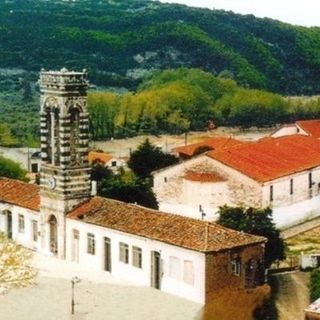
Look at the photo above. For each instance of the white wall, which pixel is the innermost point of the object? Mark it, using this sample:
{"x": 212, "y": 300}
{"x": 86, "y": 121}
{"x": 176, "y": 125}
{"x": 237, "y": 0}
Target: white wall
{"x": 174, "y": 193}
{"x": 24, "y": 238}
{"x": 131, "y": 273}
{"x": 301, "y": 190}
{"x": 288, "y": 130}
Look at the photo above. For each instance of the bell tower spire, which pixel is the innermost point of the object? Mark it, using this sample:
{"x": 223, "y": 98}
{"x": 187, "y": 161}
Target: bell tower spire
{"x": 65, "y": 172}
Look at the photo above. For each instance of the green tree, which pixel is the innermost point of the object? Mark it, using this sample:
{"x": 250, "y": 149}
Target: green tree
{"x": 130, "y": 190}
{"x": 11, "y": 169}
{"x": 6, "y": 138}
{"x": 148, "y": 158}
{"x": 258, "y": 222}
{"x": 315, "y": 284}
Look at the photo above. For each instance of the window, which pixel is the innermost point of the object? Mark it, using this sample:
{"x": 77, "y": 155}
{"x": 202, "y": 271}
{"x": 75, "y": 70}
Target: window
{"x": 291, "y": 186}
{"x": 236, "y": 266}
{"x": 21, "y": 223}
{"x": 188, "y": 272}
{"x": 113, "y": 163}
{"x": 271, "y": 193}
{"x": 165, "y": 179}
{"x": 310, "y": 180}
{"x": 91, "y": 244}
{"x": 174, "y": 268}
{"x": 123, "y": 252}
{"x": 137, "y": 257}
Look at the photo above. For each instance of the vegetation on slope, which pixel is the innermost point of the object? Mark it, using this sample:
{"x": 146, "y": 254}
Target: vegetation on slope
{"x": 120, "y": 41}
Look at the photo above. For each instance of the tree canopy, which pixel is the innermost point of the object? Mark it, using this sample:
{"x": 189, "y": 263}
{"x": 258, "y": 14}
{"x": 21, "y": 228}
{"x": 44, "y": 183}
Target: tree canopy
{"x": 148, "y": 158}
{"x": 258, "y": 222}
{"x": 11, "y": 169}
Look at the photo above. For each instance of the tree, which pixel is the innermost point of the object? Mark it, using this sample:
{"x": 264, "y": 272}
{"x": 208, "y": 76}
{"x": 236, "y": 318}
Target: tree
{"x": 131, "y": 190}
{"x": 6, "y": 138}
{"x": 258, "y": 222}
{"x": 314, "y": 284}
{"x": 148, "y": 158}
{"x": 15, "y": 266}
{"x": 11, "y": 169}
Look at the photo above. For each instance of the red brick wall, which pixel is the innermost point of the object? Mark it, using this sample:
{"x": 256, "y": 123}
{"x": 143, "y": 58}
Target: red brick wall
{"x": 219, "y": 275}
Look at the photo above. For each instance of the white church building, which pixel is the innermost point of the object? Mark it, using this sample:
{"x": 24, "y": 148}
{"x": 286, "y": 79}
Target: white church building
{"x": 179, "y": 255}
{"x": 278, "y": 172}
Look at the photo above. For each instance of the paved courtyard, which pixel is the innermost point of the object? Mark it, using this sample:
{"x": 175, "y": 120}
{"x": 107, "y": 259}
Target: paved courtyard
{"x": 97, "y": 296}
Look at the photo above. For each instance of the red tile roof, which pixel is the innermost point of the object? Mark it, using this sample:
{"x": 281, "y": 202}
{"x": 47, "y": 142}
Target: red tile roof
{"x": 203, "y": 176}
{"x": 272, "y": 158}
{"x": 172, "y": 229}
{"x": 312, "y": 127}
{"x": 19, "y": 193}
{"x": 99, "y": 157}
{"x": 216, "y": 143}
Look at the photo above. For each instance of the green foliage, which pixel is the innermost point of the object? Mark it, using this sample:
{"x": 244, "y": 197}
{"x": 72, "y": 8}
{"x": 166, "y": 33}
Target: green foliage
{"x": 148, "y": 158}
{"x": 123, "y": 186}
{"x": 258, "y": 222}
{"x": 6, "y": 138}
{"x": 106, "y": 37}
{"x": 315, "y": 285}
{"x": 11, "y": 169}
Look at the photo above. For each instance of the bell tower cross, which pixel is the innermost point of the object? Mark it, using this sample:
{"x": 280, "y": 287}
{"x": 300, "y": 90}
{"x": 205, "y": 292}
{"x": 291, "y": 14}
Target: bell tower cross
{"x": 65, "y": 172}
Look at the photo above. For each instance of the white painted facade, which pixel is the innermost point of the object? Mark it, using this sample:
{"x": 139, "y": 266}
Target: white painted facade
{"x": 176, "y": 195}
{"x": 127, "y": 271}
{"x": 25, "y": 236}
{"x": 288, "y": 130}
{"x": 184, "y": 278}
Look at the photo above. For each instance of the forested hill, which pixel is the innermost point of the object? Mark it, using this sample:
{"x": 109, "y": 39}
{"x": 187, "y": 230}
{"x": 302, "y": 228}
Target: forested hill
{"x": 120, "y": 41}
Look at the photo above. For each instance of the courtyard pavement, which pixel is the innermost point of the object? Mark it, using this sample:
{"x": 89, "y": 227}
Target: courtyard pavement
{"x": 97, "y": 296}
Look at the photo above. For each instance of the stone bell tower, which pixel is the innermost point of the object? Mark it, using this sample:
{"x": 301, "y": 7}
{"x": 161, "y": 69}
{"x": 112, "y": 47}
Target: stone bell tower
{"x": 65, "y": 172}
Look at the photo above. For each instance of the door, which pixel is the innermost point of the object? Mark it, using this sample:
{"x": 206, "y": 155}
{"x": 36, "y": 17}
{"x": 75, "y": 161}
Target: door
{"x": 53, "y": 237}
{"x": 9, "y": 224}
{"x": 155, "y": 270}
{"x": 34, "y": 230}
{"x": 107, "y": 254}
{"x": 75, "y": 249}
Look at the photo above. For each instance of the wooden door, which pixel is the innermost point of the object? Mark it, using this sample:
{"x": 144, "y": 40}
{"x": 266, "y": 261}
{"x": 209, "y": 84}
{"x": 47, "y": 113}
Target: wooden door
{"x": 155, "y": 270}
{"x": 107, "y": 254}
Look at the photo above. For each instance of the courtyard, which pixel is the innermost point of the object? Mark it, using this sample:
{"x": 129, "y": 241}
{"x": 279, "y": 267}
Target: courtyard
{"x": 97, "y": 296}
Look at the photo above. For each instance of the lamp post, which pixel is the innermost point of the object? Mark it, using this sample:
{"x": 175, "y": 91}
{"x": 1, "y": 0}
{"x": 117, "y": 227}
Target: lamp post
{"x": 74, "y": 280}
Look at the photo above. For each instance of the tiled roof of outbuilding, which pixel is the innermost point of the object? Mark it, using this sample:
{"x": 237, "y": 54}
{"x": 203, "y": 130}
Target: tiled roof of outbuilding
{"x": 172, "y": 229}
{"x": 19, "y": 193}
{"x": 216, "y": 143}
{"x": 271, "y": 158}
{"x": 312, "y": 127}
{"x": 99, "y": 157}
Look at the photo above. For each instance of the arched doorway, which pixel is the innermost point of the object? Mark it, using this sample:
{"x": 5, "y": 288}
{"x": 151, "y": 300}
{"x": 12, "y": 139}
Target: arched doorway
{"x": 53, "y": 234}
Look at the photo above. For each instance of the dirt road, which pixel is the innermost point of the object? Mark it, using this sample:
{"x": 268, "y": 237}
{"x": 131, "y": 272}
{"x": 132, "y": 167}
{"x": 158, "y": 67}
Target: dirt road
{"x": 293, "y": 295}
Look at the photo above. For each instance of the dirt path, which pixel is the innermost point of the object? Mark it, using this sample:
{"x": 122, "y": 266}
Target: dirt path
{"x": 293, "y": 295}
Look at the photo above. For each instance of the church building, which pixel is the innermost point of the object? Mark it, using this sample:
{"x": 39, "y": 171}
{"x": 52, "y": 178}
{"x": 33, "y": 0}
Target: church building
{"x": 173, "y": 253}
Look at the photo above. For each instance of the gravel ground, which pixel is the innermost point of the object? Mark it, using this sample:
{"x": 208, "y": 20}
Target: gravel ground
{"x": 97, "y": 296}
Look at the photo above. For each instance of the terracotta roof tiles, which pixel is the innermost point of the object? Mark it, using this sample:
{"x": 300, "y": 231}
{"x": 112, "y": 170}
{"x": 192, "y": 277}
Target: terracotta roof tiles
{"x": 216, "y": 143}
{"x": 19, "y": 193}
{"x": 203, "y": 176}
{"x": 271, "y": 158}
{"x": 312, "y": 127}
{"x": 100, "y": 157}
{"x": 172, "y": 229}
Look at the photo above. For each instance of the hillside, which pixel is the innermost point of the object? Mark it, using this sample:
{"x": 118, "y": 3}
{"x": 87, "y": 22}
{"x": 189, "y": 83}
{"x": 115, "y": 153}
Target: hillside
{"x": 120, "y": 42}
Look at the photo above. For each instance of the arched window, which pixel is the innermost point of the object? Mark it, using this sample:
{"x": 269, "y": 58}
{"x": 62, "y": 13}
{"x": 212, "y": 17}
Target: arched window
{"x": 74, "y": 136}
{"x": 53, "y": 234}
